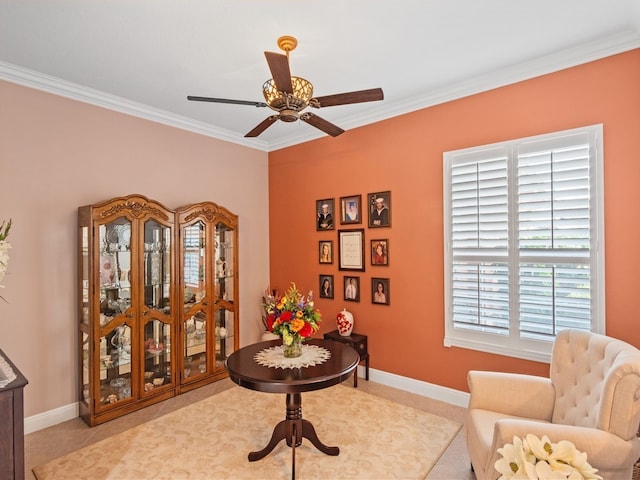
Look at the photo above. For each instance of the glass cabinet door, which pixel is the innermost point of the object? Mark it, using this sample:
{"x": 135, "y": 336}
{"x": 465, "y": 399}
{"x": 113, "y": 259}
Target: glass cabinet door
{"x": 156, "y": 308}
{"x": 116, "y": 313}
{"x": 84, "y": 276}
{"x": 157, "y": 355}
{"x": 114, "y": 270}
{"x": 86, "y": 365}
{"x": 84, "y": 313}
{"x": 196, "y": 301}
{"x": 224, "y": 262}
{"x": 195, "y": 347}
{"x": 115, "y": 365}
{"x": 225, "y": 293}
{"x": 157, "y": 267}
{"x": 225, "y": 324}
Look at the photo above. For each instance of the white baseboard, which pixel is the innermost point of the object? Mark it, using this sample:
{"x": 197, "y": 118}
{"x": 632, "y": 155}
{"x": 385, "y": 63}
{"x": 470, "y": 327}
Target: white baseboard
{"x": 444, "y": 394}
{"x": 51, "y": 418}
{"x": 431, "y": 390}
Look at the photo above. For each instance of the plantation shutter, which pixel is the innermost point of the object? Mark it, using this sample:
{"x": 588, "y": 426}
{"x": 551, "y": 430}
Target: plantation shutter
{"x": 479, "y": 237}
{"x": 192, "y": 238}
{"x": 554, "y": 236}
{"x": 524, "y": 254}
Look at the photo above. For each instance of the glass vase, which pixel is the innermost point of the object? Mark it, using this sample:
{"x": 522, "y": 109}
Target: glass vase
{"x": 293, "y": 350}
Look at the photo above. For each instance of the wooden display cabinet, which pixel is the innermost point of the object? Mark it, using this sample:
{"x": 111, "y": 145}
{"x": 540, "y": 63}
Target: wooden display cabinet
{"x": 208, "y": 237}
{"x": 135, "y": 270}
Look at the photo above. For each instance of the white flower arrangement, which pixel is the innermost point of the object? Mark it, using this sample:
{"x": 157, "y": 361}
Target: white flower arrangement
{"x": 539, "y": 459}
{"x": 4, "y": 250}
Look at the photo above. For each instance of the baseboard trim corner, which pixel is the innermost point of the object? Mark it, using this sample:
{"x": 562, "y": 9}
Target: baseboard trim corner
{"x": 50, "y": 418}
{"x": 437, "y": 392}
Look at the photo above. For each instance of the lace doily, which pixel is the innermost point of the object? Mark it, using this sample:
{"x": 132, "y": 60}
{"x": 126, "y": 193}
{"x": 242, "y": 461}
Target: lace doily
{"x": 273, "y": 357}
{"x": 7, "y": 375}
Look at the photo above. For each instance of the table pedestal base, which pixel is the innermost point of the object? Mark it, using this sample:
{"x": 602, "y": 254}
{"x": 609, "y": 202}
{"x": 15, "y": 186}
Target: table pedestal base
{"x": 293, "y": 429}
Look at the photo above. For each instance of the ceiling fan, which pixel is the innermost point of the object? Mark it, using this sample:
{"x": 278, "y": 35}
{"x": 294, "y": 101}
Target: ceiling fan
{"x": 289, "y": 95}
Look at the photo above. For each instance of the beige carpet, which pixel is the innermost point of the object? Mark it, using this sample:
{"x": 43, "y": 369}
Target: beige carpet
{"x": 378, "y": 439}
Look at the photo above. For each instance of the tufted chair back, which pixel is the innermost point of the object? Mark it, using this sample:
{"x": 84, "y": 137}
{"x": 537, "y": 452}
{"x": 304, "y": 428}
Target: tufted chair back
{"x": 597, "y": 383}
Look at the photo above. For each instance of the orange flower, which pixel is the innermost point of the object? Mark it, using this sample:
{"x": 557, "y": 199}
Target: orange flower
{"x": 296, "y": 324}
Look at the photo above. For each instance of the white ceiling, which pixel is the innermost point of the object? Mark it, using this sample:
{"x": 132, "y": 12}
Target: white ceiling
{"x": 144, "y": 57}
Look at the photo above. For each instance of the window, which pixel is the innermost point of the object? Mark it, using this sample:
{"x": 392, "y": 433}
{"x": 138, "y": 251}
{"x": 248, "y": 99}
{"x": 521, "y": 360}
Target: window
{"x": 524, "y": 252}
{"x": 193, "y": 238}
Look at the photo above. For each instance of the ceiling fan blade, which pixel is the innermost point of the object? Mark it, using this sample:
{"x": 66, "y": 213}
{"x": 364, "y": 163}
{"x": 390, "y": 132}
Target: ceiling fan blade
{"x": 322, "y": 124}
{"x": 279, "y": 66}
{"x": 262, "y": 126}
{"x": 226, "y": 100}
{"x": 360, "y": 96}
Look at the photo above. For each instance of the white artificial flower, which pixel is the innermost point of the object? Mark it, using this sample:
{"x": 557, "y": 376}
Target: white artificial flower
{"x": 4, "y": 259}
{"x": 512, "y": 463}
{"x": 563, "y": 453}
{"x": 544, "y": 471}
{"x": 580, "y": 463}
{"x": 541, "y": 448}
{"x": 538, "y": 459}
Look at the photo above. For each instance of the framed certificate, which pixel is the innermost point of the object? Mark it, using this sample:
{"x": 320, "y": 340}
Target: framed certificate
{"x": 351, "y": 249}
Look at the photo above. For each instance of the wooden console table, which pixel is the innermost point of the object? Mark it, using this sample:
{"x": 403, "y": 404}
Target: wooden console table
{"x": 12, "y": 425}
{"x": 359, "y": 344}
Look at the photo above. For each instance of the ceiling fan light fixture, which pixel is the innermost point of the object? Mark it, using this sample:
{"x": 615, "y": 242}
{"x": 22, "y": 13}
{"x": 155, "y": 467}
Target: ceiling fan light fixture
{"x": 298, "y": 100}
{"x": 289, "y": 96}
{"x": 288, "y": 116}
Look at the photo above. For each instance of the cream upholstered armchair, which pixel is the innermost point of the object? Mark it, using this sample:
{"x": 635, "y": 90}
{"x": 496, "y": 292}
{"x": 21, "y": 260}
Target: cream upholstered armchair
{"x": 592, "y": 399}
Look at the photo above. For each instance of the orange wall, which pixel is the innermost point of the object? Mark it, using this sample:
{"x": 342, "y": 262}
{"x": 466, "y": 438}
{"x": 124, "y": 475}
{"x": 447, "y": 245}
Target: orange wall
{"x": 404, "y": 155}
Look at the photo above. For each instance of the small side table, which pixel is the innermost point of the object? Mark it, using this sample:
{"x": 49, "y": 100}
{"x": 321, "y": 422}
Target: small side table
{"x": 359, "y": 344}
{"x": 12, "y": 425}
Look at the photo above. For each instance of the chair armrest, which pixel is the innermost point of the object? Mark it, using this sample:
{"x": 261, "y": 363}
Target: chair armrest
{"x": 515, "y": 394}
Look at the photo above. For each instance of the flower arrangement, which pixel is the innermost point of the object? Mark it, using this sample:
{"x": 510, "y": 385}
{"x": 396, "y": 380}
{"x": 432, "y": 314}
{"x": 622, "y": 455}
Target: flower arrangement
{"x": 292, "y": 315}
{"x": 533, "y": 458}
{"x": 4, "y": 250}
{"x": 269, "y": 299}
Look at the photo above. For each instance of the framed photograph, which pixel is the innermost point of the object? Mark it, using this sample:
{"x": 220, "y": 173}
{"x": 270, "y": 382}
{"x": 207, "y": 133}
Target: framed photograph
{"x": 350, "y": 209}
{"x": 352, "y": 289}
{"x": 380, "y": 291}
{"x": 324, "y": 214}
{"x": 325, "y": 251}
{"x": 379, "y": 205}
{"x": 326, "y": 286}
{"x": 351, "y": 249}
{"x": 380, "y": 252}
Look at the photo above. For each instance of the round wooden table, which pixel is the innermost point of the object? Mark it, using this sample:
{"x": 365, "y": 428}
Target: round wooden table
{"x": 246, "y": 372}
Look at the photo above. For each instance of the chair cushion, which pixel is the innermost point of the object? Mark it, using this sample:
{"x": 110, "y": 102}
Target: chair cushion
{"x": 487, "y": 431}
{"x": 480, "y": 426}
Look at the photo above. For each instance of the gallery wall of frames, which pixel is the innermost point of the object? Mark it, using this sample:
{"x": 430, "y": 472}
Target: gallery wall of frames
{"x": 353, "y": 233}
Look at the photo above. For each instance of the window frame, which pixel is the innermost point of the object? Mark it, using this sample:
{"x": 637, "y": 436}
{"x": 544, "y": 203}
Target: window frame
{"x": 512, "y": 344}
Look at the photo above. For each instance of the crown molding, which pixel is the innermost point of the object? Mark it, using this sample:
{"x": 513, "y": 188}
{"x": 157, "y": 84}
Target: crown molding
{"x": 74, "y": 91}
{"x": 571, "y": 57}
